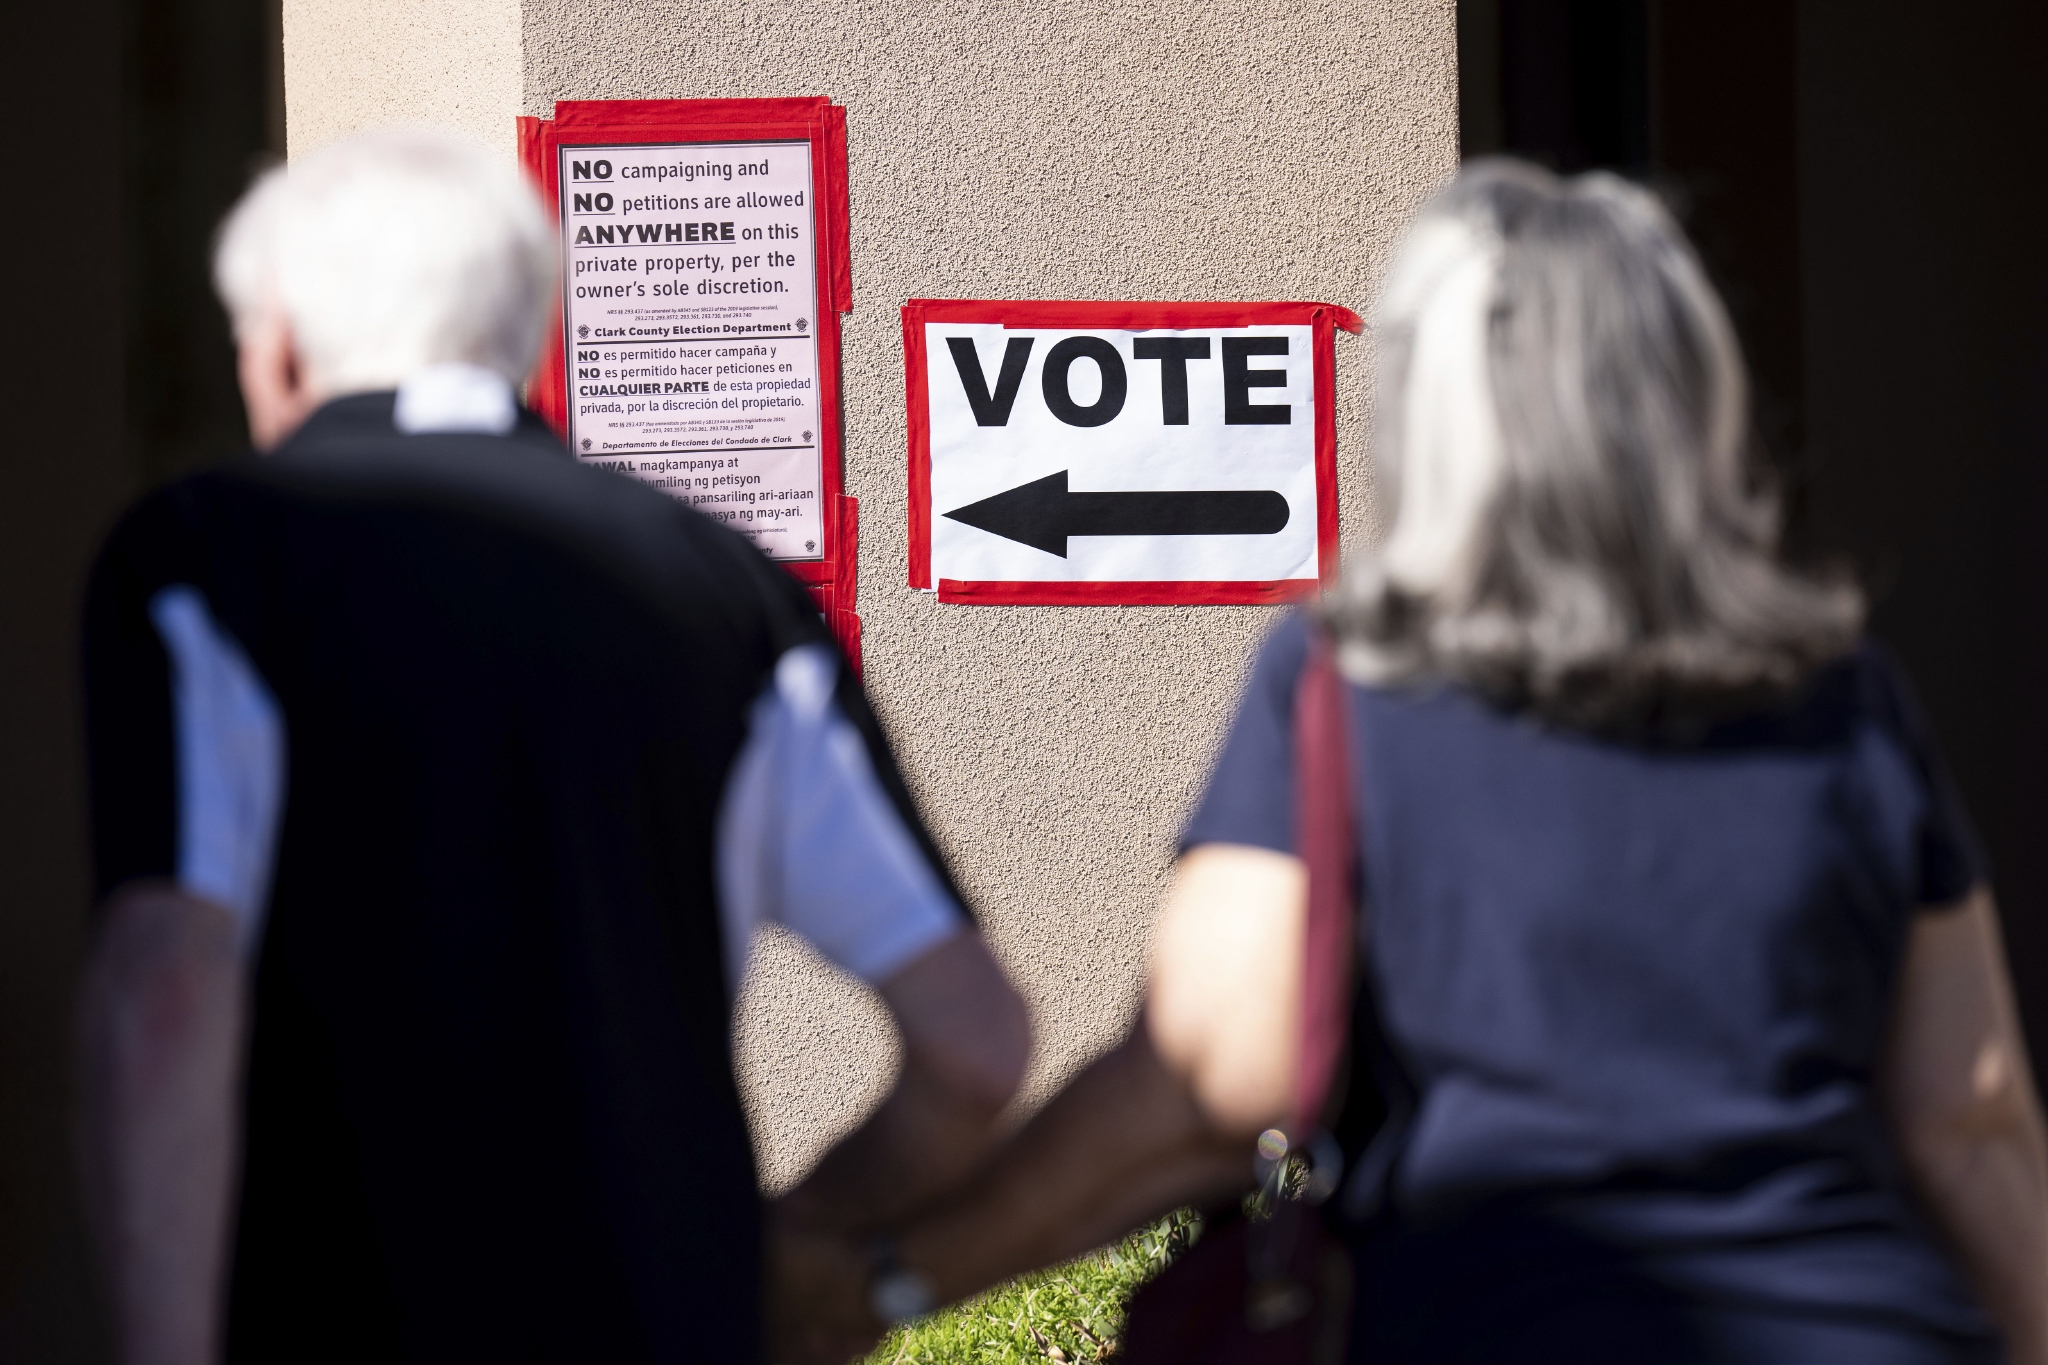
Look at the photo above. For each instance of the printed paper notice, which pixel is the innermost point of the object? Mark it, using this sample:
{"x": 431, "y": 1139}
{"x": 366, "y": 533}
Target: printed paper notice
{"x": 690, "y": 287}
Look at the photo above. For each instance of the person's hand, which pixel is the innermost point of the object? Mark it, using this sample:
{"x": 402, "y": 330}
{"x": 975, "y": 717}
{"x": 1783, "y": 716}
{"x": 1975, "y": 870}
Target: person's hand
{"x": 818, "y": 1311}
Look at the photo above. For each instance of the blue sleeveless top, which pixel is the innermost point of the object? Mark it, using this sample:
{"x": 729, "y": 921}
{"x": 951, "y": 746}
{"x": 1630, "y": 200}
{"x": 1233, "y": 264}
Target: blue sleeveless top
{"x": 1641, "y": 994}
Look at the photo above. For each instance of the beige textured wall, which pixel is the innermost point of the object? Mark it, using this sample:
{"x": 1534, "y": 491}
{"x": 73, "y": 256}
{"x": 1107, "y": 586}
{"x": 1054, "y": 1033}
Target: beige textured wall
{"x": 1006, "y": 149}
{"x": 355, "y": 64}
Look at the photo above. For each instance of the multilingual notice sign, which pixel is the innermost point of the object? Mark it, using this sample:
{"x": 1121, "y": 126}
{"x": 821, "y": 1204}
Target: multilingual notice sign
{"x": 704, "y": 247}
{"x": 689, "y": 281}
{"x": 1142, "y": 453}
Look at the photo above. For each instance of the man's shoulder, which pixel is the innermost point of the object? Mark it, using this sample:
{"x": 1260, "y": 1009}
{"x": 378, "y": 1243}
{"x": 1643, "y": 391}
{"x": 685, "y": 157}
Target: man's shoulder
{"x": 366, "y": 488}
{"x": 165, "y": 533}
{"x": 350, "y": 454}
{"x": 525, "y": 482}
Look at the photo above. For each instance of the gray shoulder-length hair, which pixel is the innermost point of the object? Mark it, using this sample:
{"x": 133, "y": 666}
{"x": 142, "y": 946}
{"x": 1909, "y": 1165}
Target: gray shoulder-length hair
{"x": 1578, "y": 528}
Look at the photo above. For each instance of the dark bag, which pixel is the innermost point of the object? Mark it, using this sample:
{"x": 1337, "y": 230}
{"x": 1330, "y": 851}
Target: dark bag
{"x": 1276, "y": 1290}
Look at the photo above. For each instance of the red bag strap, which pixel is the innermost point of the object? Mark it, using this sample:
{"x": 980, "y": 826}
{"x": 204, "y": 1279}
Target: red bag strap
{"x": 1325, "y": 840}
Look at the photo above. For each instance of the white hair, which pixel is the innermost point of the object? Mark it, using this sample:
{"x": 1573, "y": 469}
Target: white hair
{"x": 1439, "y": 296}
{"x": 1562, "y": 427}
{"x": 390, "y": 252}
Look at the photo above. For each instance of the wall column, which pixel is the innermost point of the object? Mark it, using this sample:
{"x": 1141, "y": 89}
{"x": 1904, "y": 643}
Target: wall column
{"x": 1007, "y": 149}
{"x": 356, "y": 64}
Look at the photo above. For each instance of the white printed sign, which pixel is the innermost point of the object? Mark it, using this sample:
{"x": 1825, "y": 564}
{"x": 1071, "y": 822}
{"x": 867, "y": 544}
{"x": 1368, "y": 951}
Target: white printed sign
{"x": 1121, "y": 452}
{"x": 689, "y": 293}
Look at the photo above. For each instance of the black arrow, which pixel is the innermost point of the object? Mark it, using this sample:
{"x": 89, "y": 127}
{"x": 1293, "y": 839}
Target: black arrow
{"x": 1042, "y": 513}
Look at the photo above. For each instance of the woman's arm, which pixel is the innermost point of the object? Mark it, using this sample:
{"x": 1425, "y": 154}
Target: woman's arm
{"x": 1962, "y": 1105}
{"x": 1168, "y": 1117}
{"x": 1165, "y": 1119}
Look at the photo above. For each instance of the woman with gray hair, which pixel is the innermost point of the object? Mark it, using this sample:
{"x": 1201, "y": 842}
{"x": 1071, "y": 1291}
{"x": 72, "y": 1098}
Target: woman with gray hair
{"x": 1687, "y": 990}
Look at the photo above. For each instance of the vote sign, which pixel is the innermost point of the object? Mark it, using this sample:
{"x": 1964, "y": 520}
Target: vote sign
{"x": 1141, "y": 453}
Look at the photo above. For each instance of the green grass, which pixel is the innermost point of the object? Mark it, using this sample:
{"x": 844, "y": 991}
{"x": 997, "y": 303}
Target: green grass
{"x": 1073, "y": 1312}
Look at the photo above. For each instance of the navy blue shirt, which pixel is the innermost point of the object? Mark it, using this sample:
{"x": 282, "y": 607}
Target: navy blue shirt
{"x": 1641, "y": 992}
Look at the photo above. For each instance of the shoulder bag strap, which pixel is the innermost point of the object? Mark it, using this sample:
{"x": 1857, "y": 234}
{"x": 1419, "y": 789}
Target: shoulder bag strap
{"x": 1324, "y": 836}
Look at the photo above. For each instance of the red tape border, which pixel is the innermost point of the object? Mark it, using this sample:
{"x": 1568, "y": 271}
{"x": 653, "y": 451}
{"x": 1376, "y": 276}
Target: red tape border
{"x": 1323, "y": 318}
{"x": 832, "y": 576}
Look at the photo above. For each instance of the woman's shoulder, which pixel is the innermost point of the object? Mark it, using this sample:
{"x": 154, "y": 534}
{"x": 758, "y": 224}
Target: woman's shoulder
{"x": 1866, "y": 685}
{"x": 1861, "y": 692}
{"x": 1285, "y": 647}
{"x": 1862, "y": 689}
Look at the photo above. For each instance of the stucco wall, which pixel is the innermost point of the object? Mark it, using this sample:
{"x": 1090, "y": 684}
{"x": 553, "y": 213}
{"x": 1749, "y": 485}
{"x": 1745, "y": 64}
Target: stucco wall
{"x": 1002, "y": 149}
{"x": 354, "y": 64}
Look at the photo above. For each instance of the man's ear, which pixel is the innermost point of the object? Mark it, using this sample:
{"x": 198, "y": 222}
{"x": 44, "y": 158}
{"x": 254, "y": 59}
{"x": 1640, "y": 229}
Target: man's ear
{"x": 275, "y": 391}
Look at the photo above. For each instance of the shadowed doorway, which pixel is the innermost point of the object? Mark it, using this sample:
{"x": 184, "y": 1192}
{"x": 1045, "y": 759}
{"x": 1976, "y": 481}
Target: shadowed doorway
{"x": 1858, "y": 177}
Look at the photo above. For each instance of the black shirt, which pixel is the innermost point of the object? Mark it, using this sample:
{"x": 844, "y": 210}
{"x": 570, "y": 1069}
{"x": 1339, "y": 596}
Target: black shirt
{"x": 489, "y": 1107}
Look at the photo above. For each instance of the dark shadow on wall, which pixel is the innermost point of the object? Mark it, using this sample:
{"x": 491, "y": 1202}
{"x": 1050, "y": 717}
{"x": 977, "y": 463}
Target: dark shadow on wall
{"x": 1859, "y": 175}
{"x": 204, "y": 111}
{"x": 1922, "y": 131}
{"x": 135, "y": 124}
{"x": 1698, "y": 100}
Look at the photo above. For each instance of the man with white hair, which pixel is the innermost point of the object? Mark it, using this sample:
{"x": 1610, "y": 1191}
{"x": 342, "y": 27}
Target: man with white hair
{"x": 438, "y": 784}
